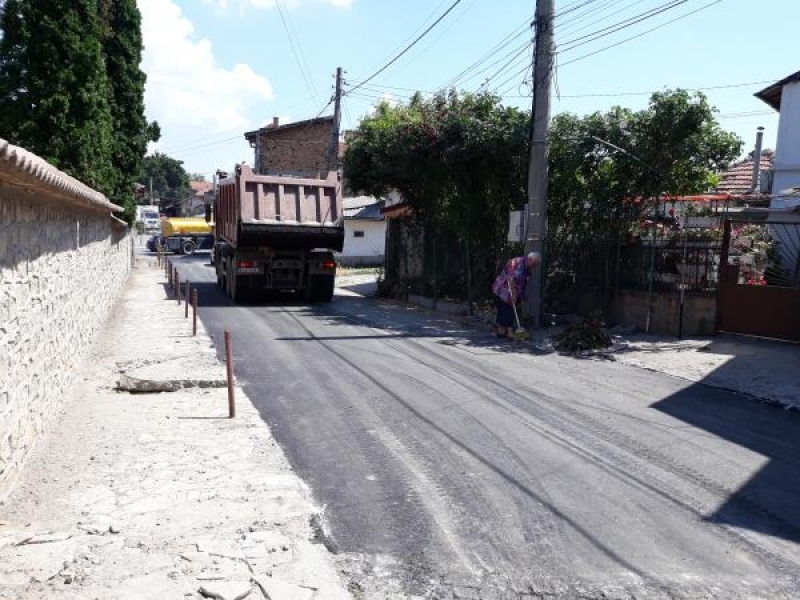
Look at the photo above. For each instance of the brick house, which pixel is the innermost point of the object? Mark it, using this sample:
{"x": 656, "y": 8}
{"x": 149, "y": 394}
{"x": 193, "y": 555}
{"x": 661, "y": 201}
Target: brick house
{"x": 298, "y": 149}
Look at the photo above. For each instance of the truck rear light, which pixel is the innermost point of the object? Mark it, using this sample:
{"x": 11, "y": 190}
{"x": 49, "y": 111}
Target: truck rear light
{"x": 247, "y": 264}
{"x": 329, "y": 264}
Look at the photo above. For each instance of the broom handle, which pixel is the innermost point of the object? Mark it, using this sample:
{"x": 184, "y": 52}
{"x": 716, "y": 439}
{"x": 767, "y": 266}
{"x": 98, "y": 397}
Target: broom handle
{"x": 513, "y": 303}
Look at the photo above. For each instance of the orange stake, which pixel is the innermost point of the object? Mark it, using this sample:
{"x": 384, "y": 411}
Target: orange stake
{"x": 229, "y": 369}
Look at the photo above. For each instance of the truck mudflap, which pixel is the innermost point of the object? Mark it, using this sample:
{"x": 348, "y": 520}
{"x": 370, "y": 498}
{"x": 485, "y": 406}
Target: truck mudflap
{"x": 285, "y": 236}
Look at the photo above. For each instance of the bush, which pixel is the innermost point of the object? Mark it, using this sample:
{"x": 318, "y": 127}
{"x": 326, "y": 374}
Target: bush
{"x": 588, "y": 334}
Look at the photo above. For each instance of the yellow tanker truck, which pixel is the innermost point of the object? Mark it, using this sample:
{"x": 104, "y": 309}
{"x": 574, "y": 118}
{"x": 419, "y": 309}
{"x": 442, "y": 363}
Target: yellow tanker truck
{"x": 184, "y": 235}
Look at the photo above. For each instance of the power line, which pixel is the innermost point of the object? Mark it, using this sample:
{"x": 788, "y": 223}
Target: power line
{"x": 376, "y": 90}
{"x": 573, "y": 7}
{"x": 514, "y": 62}
{"x": 408, "y": 38}
{"x": 571, "y": 26}
{"x": 696, "y": 89}
{"x": 600, "y": 33}
{"x": 510, "y": 63}
{"x": 297, "y": 51}
{"x": 710, "y": 4}
{"x": 409, "y": 46}
{"x": 516, "y": 33}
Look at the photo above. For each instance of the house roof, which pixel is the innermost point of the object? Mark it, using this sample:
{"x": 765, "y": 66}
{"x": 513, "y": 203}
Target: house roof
{"x": 269, "y": 129}
{"x": 201, "y": 187}
{"x": 738, "y": 179}
{"x": 367, "y": 208}
{"x": 772, "y": 94}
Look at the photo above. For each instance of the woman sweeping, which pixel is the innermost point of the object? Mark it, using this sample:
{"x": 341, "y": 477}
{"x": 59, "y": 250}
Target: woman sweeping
{"x": 509, "y": 288}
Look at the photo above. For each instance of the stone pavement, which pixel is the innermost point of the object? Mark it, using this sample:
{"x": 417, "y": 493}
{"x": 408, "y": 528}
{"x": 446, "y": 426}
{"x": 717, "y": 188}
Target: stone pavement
{"x": 158, "y": 495}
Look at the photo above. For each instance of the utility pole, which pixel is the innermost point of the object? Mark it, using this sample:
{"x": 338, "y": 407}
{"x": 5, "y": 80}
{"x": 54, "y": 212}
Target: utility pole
{"x": 152, "y": 200}
{"x": 333, "y": 150}
{"x": 536, "y": 217}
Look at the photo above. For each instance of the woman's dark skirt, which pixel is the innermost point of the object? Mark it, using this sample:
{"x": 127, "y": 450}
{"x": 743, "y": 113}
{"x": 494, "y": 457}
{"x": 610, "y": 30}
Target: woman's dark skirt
{"x": 505, "y": 313}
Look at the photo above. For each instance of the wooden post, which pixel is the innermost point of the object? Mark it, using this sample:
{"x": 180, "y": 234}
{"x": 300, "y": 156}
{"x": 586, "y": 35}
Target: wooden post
{"x": 229, "y": 370}
{"x": 194, "y": 312}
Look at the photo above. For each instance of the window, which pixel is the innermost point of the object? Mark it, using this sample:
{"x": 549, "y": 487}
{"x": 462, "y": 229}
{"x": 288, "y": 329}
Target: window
{"x": 358, "y": 234}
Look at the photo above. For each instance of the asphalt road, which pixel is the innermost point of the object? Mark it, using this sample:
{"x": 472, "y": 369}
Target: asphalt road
{"x": 450, "y": 464}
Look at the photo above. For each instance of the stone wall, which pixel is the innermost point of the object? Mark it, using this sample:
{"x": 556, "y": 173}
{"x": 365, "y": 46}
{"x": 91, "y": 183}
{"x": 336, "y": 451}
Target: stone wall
{"x": 63, "y": 261}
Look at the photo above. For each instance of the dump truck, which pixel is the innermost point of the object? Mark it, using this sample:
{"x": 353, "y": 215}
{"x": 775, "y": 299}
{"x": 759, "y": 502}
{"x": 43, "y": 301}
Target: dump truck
{"x": 184, "y": 235}
{"x": 277, "y": 233}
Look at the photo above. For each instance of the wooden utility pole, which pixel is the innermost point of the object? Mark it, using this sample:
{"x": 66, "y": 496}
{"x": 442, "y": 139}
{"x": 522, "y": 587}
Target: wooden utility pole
{"x": 536, "y": 217}
{"x": 333, "y": 151}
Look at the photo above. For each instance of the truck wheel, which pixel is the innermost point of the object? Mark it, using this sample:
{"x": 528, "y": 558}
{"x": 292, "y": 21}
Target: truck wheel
{"x": 188, "y": 247}
{"x": 320, "y": 288}
{"x": 233, "y": 283}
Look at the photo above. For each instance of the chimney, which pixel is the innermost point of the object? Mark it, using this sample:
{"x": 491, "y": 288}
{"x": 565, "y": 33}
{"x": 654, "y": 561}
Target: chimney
{"x": 276, "y": 121}
{"x": 757, "y": 159}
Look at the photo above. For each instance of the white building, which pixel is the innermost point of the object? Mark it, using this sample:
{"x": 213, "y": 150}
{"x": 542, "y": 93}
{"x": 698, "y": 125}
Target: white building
{"x": 364, "y": 231}
{"x": 784, "y": 96}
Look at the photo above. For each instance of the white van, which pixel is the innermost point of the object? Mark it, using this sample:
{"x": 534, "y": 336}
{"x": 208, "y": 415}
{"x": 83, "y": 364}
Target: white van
{"x": 149, "y": 218}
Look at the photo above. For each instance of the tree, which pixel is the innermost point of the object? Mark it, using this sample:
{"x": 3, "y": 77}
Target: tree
{"x": 54, "y": 91}
{"x": 458, "y": 160}
{"x": 122, "y": 44}
{"x": 600, "y": 162}
{"x": 71, "y": 89}
{"x": 170, "y": 180}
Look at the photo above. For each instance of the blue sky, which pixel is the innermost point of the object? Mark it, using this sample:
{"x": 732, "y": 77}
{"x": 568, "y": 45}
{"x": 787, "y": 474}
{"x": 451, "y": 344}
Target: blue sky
{"x": 217, "y": 68}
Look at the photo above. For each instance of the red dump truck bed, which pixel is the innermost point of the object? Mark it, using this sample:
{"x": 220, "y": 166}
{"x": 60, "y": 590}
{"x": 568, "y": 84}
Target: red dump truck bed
{"x": 282, "y": 213}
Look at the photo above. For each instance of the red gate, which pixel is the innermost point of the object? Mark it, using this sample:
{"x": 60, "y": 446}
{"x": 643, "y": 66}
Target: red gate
{"x": 759, "y": 279}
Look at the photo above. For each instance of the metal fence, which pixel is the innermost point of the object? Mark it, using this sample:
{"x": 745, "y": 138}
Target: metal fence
{"x": 670, "y": 264}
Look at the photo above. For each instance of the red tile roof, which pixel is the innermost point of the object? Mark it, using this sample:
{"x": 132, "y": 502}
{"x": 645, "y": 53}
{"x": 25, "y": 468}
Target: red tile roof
{"x": 738, "y": 179}
{"x": 201, "y": 187}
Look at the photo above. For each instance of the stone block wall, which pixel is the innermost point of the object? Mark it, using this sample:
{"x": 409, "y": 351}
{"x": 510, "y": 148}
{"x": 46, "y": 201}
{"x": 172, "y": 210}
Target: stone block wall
{"x": 62, "y": 266}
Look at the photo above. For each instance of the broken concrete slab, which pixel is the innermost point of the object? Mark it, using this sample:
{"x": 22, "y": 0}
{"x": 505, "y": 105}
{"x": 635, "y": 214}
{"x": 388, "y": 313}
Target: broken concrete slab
{"x": 275, "y": 589}
{"x": 173, "y": 374}
{"x": 226, "y": 590}
{"x": 136, "y": 385}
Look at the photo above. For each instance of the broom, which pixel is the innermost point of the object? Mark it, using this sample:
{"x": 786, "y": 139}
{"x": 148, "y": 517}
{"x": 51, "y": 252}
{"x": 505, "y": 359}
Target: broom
{"x": 520, "y": 334}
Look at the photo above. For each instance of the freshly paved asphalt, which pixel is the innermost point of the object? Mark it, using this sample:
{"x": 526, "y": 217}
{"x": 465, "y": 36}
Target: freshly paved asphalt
{"x": 451, "y": 464}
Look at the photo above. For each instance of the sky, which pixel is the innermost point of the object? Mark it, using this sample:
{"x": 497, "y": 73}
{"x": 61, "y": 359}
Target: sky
{"x": 218, "y": 68}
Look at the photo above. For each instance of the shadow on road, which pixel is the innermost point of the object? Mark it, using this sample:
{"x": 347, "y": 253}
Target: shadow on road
{"x": 770, "y": 501}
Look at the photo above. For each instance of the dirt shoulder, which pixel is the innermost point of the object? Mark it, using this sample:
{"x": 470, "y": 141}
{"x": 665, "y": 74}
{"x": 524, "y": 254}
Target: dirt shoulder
{"x": 159, "y": 495}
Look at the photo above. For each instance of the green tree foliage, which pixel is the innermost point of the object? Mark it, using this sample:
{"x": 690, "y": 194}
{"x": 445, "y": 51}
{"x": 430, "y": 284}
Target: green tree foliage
{"x": 170, "y": 180}
{"x": 54, "y": 91}
{"x": 72, "y": 92}
{"x": 122, "y": 44}
{"x": 599, "y": 163}
{"x": 460, "y": 160}
{"x": 456, "y": 159}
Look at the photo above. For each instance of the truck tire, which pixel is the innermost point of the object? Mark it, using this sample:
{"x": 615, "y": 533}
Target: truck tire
{"x": 220, "y": 278}
{"x": 320, "y": 288}
{"x": 188, "y": 247}
{"x": 233, "y": 284}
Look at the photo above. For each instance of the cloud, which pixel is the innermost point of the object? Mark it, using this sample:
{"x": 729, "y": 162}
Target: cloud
{"x": 386, "y": 98}
{"x": 188, "y": 92}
